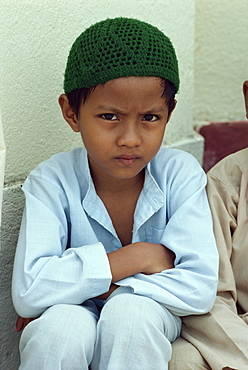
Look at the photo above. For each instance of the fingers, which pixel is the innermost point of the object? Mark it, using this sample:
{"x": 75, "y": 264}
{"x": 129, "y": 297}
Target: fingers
{"x": 21, "y": 322}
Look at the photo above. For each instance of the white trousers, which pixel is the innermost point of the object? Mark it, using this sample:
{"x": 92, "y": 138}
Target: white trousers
{"x": 132, "y": 333}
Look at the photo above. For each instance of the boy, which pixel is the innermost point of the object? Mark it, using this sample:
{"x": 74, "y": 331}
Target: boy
{"x": 220, "y": 338}
{"x": 116, "y": 241}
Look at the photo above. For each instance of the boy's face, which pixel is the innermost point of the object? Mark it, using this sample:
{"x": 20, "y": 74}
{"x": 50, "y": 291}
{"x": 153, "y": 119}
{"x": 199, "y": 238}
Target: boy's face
{"x": 122, "y": 125}
{"x": 245, "y": 90}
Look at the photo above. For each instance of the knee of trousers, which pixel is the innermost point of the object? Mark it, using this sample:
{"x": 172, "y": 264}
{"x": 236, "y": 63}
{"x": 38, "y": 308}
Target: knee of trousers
{"x": 61, "y": 330}
{"x": 132, "y": 332}
{"x": 135, "y": 313}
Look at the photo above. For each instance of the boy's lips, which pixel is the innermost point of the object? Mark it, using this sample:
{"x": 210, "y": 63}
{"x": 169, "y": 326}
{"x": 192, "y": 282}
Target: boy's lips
{"x": 127, "y": 159}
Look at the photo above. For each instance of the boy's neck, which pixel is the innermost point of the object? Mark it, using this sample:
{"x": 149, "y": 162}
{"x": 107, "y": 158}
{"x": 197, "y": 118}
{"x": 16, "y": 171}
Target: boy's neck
{"x": 119, "y": 197}
{"x": 106, "y": 184}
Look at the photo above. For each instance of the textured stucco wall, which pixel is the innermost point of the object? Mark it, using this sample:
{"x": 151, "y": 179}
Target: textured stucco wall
{"x": 35, "y": 39}
{"x": 2, "y": 164}
{"x": 221, "y": 59}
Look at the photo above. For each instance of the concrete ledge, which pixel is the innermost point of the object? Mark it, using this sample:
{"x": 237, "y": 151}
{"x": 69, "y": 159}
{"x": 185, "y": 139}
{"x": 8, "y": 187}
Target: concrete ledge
{"x": 13, "y": 202}
{"x": 193, "y": 145}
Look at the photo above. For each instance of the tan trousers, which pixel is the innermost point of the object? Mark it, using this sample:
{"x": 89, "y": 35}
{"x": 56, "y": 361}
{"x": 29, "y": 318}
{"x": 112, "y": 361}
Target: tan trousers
{"x": 186, "y": 357}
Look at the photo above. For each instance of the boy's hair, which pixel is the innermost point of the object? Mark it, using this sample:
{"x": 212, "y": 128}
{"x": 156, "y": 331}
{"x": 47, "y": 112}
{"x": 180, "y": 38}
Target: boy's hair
{"x": 76, "y": 97}
{"x": 120, "y": 47}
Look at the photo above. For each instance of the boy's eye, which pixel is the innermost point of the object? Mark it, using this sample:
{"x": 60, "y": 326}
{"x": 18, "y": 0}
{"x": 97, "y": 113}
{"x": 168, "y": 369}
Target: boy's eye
{"x": 150, "y": 118}
{"x": 109, "y": 116}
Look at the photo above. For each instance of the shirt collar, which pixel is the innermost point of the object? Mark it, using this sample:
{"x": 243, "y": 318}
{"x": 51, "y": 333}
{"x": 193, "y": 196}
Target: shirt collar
{"x": 151, "y": 199}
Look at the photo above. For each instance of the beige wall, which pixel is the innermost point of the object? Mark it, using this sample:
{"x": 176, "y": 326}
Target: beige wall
{"x": 210, "y": 37}
{"x": 221, "y": 59}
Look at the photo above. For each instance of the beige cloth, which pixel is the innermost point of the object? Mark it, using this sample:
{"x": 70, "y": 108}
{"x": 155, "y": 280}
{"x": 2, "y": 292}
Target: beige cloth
{"x": 2, "y": 164}
{"x": 221, "y": 336}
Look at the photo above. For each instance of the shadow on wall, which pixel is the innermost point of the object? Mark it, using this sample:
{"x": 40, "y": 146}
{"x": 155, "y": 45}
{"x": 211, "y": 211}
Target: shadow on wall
{"x": 13, "y": 202}
{"x": 222, "y": 139}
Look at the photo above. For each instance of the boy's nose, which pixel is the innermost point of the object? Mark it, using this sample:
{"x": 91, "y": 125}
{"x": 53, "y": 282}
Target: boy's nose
{"x": 129, "y": 136}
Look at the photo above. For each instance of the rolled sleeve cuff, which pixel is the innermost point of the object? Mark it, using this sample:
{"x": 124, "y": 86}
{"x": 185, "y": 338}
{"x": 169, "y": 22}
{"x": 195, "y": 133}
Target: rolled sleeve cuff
{"x": 97, "y": 269}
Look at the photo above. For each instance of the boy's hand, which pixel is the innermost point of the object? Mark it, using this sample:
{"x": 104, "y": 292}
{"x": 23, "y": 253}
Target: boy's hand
{"x": 21, "y": 322}
{"x": 107, "y": 294}
{"x": 157, "y": 258}
{"x": 146, "y": 258}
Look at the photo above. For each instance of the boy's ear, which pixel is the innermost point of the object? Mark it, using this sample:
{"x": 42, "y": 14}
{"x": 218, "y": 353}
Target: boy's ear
{"x": 245, "y": 91}
{"x": 169, "y": 116}
{"x": 68, "y": 113}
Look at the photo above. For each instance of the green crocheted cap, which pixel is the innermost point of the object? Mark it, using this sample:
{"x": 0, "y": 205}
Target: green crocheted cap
{"x": 119, "y": 47}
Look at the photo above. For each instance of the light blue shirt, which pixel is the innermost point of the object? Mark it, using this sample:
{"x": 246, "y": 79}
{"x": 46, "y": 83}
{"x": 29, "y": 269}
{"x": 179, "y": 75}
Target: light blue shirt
{"x": 66, "y": 233}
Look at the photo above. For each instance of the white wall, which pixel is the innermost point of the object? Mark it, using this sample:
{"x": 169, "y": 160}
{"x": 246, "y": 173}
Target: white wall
{"x": 36, "y": 37}
{"x": 221, "y": 59}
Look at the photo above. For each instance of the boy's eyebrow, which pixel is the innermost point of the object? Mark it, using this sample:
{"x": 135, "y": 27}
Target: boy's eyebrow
{"x": 155, "y": 109}
{"x": 108, "y": 108}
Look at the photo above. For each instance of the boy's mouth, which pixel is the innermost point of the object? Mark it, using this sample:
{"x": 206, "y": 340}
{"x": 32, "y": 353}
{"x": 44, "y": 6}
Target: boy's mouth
{"x": 127, "y": 159}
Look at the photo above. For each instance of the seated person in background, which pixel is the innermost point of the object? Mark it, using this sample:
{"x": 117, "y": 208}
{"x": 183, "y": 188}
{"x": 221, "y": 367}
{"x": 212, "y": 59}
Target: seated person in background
{"x": 219, "y": 339}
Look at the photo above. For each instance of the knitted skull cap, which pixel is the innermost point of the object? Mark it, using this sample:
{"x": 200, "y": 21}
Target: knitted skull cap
{"x": 119, "y": 47}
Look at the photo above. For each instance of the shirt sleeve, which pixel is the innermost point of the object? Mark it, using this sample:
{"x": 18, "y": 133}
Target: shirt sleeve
{"x": 223, "y": 200}
{"x": 45, "y": 271}
{"x": 190, "y": 287}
